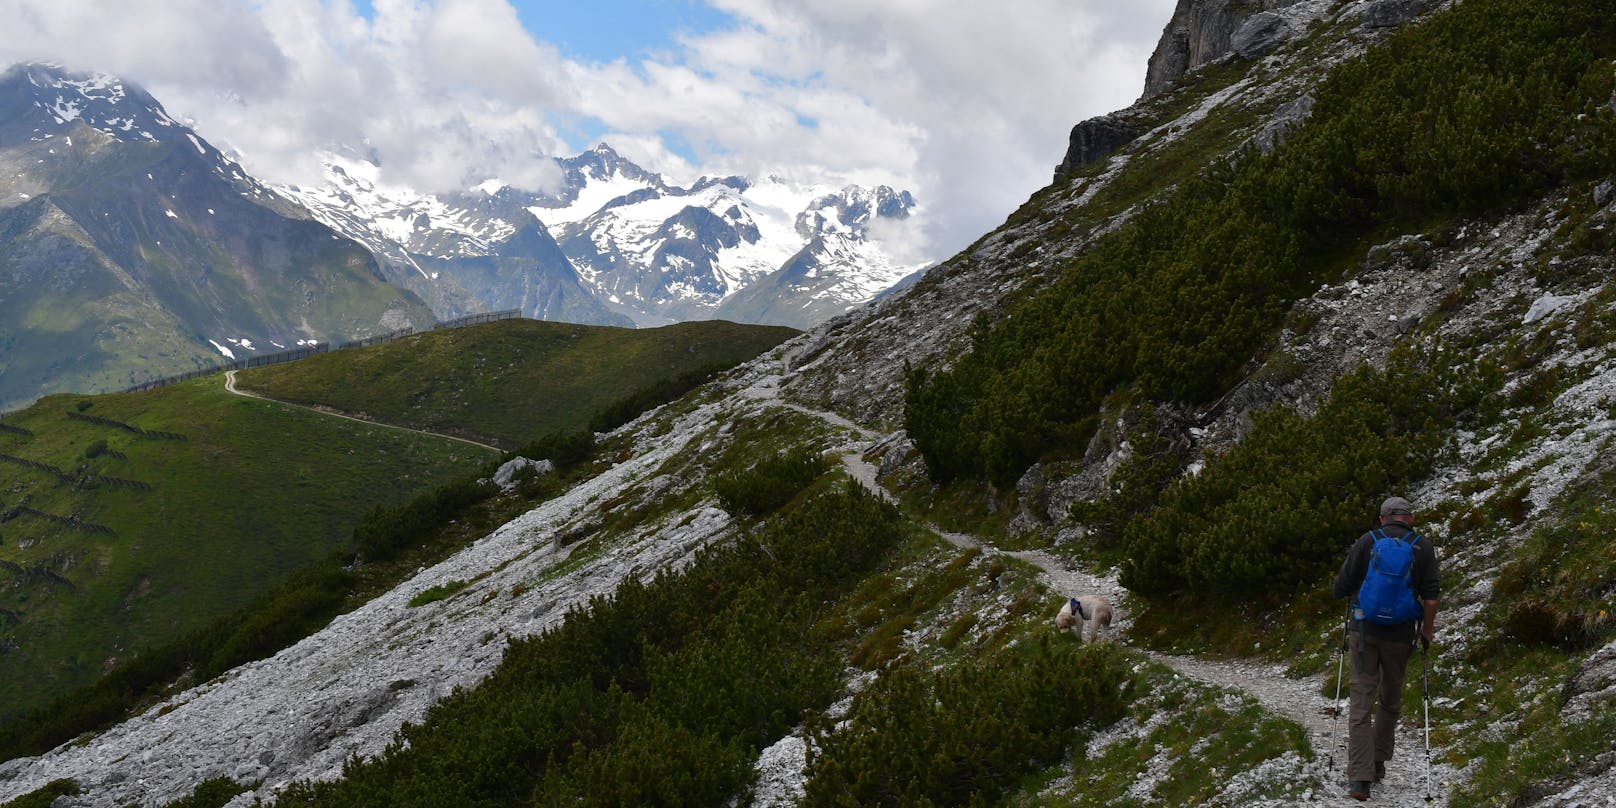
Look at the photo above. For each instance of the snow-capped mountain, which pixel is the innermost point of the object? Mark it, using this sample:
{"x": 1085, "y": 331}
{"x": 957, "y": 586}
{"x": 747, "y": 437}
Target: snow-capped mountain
{"x": 463, "y": 253}
{"x": 644, "y": 248}
{"x": 135, "y": 249}
{"x": 815, "y": 283}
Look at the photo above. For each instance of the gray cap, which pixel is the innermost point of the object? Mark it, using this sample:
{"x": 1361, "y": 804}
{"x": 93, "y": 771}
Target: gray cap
{"x": 1396, "y": 505}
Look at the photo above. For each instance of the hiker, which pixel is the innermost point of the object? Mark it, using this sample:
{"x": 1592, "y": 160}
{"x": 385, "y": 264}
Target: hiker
{"x": 1391, "y": 577}
{"x": 1094, "y": 609}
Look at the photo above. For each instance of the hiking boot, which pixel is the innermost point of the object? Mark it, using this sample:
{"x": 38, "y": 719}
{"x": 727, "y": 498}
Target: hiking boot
{"x": 1380, "y": 770}
{"x": 1360, "y": 790}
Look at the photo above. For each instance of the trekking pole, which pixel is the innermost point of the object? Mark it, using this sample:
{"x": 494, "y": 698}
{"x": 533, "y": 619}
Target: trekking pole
{"x": 1425, "y": 664}
{"x": 1340, "y": 668}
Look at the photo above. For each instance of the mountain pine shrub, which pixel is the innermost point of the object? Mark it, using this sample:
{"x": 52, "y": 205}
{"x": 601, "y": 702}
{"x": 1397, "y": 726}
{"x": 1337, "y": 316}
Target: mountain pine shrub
{"x": 960, "y": 736}
{"x": 770, "y": 484}
{"x": 44, "y": 796}
{"x": 386, "y": 532}
{"x": 1274, "y": 513}
{"x": 1479, "y": 110}
{"x": 661, "y": 693}
{"x": 213, "y": 792}
{"x": 566, "y": 449}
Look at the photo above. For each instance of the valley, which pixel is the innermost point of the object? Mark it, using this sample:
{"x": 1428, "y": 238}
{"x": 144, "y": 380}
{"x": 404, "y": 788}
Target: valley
{"x": 1340, "y": 250}
{"x": 178, "y": 496}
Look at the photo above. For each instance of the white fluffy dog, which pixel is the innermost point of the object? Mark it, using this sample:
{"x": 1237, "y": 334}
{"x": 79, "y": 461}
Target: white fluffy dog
{"x": 1093, "y": 609}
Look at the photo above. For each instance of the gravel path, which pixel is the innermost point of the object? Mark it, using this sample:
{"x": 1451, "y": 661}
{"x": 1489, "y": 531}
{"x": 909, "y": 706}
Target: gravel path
{"x": 230, "y": 386}
{"x": 1409, "y": 783}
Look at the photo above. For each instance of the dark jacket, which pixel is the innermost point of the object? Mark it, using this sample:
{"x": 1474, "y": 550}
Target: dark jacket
{"x": 1351, "y": 576}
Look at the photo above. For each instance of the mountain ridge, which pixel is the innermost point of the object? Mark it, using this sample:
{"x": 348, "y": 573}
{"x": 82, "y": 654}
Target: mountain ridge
{"x": 150, "y": 243}
{"x": 646, "y": 249}
{"x": 1469, "y": 363}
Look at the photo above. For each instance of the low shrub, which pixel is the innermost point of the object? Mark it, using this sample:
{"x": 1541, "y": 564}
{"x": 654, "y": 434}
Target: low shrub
{"x": 44, "y": 796}
{"x": 770, "y": 484}
{"x": 962, "y": 736}
{"x": 566, "y": 450}
{"x": 433, "y": 594}
{"x": 629, "y": 407}
{"x": 385, "y": 532}
{"x": 211, "y": 793}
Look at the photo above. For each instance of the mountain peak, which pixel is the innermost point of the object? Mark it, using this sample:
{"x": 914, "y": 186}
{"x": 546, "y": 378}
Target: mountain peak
{"x": 45, "y": 98}
{"x": 852, "y": 209}
{"x": 604, "y": 161}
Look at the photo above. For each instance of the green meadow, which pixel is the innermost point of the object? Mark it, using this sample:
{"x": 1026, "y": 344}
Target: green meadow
{"x": 482, "y": 382}
{"x": 143, "y": 537}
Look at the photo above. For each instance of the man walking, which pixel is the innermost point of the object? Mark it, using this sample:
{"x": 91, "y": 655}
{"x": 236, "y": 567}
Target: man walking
{"x": 1391, "y": 576}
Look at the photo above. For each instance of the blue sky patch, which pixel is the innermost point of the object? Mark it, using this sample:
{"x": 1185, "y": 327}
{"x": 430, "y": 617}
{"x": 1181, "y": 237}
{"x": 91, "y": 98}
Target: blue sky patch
{"x": 598, "y": 31}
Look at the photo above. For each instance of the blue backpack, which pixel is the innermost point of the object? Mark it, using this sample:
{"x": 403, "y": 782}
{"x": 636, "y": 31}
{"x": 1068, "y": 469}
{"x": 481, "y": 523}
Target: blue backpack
{"x": 1387, "y": 594}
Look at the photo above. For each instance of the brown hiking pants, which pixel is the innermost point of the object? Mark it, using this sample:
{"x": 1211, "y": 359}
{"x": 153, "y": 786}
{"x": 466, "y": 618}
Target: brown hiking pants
{"x": 1377, "y": 669}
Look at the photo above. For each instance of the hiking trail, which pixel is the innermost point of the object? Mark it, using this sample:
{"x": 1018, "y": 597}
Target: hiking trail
{"x": 1408, "y": 784}
{"x": 230, "y": 386}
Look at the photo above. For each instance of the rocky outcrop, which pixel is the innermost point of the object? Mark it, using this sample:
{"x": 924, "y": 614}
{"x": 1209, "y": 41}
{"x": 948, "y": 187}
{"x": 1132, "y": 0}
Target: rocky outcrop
{"x": 1201, "y": 32}
{"x": 1392, "y": 13}
{"x": 1260, "y": 34}
{"x": 1286, "y": 118}
{"x": 1096, "y": 138}
{"x": 506, "y": 476}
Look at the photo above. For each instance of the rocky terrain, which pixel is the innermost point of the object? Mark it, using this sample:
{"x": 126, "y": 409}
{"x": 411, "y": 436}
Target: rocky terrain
{"x": 1501, "y": 287}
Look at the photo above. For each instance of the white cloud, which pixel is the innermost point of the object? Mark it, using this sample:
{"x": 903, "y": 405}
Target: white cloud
{"x": 965, "y": 103}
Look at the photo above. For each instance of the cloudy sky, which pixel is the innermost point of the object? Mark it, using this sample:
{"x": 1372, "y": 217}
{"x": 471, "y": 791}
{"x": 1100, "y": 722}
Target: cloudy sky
{"x": 966, "y": 103}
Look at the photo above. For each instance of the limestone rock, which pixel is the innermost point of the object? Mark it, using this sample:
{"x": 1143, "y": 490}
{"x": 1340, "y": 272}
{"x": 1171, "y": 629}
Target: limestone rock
{"x": 1260, "y": 34}
{"x": 505, "y": 477}
{"x": 1392, "y": 13}
{"x": 1415, "y": 250}
{"x": 1096, "y": 138}
{"x": 1199, "y": 33}
{"x": 1286, "y": 118}
{"x": 897, "y": 452}
{"x": 1593, "y": 685}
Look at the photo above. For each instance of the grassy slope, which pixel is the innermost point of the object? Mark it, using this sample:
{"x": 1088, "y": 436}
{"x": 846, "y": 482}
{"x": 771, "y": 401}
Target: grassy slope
{"x": 258, "y": 490}
{"x": 481, "y": 381}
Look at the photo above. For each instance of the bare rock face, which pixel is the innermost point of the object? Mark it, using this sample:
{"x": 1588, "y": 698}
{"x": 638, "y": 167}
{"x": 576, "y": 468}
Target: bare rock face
{"x": 1096, "y": 138}
{"x": 1200, "y": 32}
{"x": 1392, "y": 13}
{"x": 1259, "y": 34}
{"x": 1595, "y": 683}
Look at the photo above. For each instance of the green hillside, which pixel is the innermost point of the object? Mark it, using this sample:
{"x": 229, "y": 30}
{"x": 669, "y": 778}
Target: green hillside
{"x": 145, "y": 535}
{"x": 483, "y": 381}
{"x": 1494, "y": 107}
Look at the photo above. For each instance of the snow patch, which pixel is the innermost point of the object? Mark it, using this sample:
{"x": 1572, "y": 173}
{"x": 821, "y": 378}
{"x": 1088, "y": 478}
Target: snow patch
{"x": 222, "y": 349}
